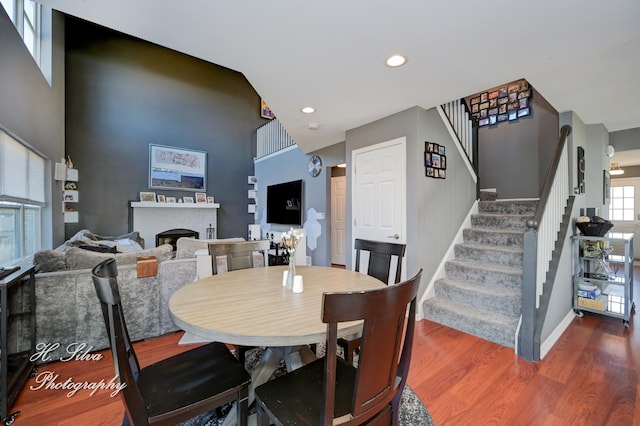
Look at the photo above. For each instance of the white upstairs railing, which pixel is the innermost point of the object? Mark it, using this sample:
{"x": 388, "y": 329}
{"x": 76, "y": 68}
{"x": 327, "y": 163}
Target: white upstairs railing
{"x": 464, "y": 129}
{"x": 549, "y": 225}
{"x": 272, "y": 137}
{"x": 462, "y": 123}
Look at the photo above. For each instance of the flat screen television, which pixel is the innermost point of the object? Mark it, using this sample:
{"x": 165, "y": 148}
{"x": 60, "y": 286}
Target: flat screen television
{"x": 284, "y": 203}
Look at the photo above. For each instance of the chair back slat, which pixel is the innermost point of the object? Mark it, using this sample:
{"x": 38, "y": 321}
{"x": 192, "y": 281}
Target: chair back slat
{"x": 238, "y": 255}
{"x": 381, "y": 256}
{"x": 105, "y": 281}
{"x": 386, "y": 340}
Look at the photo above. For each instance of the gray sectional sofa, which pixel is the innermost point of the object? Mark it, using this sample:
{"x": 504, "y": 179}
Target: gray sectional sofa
{"x": 68, "y": 314}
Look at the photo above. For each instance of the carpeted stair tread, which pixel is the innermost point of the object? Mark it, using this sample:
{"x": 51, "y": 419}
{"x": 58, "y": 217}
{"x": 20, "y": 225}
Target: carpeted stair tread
{"x": 483, "y": 272}
{"x": 488, "y": 195}
{"x": 491, "y": 326}
{"x": 494, "y": 236}
{"x": 526, "y": 207}
{"x": 501, "y": 255}
{"x": 481, "y": 292}
{"x": 500, "y": 221}
{"x": 494, "y": 230}
{"x": 489, "y": 247}
{"x": 486, "y": 266}
{"x": 488, "y": 297}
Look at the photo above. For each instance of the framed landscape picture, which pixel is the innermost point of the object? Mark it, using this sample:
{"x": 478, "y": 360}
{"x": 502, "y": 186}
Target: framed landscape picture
{"x": 148, "y": 197}
{"x": 177, "y": 168}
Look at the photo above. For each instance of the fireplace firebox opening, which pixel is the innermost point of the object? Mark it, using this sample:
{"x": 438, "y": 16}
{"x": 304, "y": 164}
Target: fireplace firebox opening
{"x": 171, "y": 236}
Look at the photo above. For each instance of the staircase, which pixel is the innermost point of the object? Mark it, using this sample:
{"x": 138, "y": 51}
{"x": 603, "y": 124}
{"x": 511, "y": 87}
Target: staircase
{"x": 482, "y": 291}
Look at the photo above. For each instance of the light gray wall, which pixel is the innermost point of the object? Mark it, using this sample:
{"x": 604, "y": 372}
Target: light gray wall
{"x": 435, "y": 207}
{"x": 594, "y": 138}
{"x": 442, "y": 205}
{"x": 34, "y": 111}
{"x": 597, "y": 163}
{"x": 292, "y": 165}
{"x": 392, "y": 127}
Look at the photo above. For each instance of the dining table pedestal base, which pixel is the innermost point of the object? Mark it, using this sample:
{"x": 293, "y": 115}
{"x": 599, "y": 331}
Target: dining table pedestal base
{"x": 294, "y": 357}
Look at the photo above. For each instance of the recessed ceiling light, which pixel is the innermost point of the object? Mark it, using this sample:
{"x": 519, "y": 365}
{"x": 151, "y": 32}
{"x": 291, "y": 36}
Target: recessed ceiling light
{"x": 396, "y": 61}
{"x": 308, "y": 110}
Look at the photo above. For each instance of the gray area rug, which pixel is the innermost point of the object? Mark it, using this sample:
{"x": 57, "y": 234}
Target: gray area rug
{"x": 412, "y": 410}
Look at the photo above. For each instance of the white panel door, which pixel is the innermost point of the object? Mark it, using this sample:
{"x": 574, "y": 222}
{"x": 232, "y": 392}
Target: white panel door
{"x": 379, "y": 192}
{"x": 339, "y": 220}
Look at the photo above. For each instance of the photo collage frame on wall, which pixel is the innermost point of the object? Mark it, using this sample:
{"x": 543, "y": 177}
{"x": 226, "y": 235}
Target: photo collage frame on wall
{"x": 508, "y": 102}
{"x": 435, "y": 160}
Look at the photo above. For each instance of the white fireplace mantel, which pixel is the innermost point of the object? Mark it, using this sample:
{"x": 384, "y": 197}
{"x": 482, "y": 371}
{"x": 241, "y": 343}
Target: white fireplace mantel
{"x": 151, "y": 218}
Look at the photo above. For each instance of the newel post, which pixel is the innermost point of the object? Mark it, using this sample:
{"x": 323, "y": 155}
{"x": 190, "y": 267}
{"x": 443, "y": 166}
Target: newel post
{"x": 526, "y": 343}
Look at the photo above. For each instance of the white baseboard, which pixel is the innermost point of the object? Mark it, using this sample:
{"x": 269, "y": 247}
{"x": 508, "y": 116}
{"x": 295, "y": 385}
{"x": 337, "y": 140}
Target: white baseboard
{"x": 450, "y": 254}
{"x": 555, "y": 335}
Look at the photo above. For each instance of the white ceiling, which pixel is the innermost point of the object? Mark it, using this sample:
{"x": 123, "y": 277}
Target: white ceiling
{"x": 581, "y": 55}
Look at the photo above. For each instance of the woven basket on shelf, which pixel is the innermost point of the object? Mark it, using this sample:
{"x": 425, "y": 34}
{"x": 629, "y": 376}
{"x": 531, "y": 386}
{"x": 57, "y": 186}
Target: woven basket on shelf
{"x": 593, "y": 229}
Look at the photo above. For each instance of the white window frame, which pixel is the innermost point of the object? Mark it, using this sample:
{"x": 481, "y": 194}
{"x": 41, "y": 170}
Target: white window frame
{"x": 25, "y": 199}
{"x": 625, "y": 201}
{"x": 27, "y": 244}
{"x": 41, "y": 32}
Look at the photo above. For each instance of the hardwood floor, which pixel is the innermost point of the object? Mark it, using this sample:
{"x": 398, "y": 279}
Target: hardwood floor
{"x": 590, "y": 377}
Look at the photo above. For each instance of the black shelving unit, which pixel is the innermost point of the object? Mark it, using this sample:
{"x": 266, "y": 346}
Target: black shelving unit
{"x": 17, "y": 337}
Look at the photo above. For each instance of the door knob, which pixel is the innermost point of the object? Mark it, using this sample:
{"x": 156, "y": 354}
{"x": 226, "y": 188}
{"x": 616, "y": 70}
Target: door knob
{"x": 394, "y": 236}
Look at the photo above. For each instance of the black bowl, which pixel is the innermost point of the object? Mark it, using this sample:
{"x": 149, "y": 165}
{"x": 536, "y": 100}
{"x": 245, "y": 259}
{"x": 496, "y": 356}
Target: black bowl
{"x": 593, "y": 229}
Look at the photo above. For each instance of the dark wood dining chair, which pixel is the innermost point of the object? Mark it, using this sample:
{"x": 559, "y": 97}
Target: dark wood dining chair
{"x": 382, "y": 255}
{"x": 331, "y": 390}
{"x": 174, "y": 389}
{"x": 231, "y": 256}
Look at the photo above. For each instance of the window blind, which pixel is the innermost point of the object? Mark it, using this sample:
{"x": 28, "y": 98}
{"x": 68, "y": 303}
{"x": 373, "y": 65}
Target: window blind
{"x": 22, "y": 172}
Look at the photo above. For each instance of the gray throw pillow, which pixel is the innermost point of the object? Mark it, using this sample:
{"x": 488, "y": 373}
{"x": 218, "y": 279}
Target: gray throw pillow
{"x": 84, "y": 259}
{"x": 50, "y": 261}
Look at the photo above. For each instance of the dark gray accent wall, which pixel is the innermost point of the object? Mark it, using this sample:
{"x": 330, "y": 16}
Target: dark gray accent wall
{"x": 515, "y": 156}
{"x": 124, "y": 94}
{"x": 624, "y": 140}
{"x": 629, "y": 171}
{"x": 34, "y": 111}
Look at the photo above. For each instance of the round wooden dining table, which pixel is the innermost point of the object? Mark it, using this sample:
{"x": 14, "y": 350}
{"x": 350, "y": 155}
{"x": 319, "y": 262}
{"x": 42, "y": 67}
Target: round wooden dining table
{"x": 250, "y": 307}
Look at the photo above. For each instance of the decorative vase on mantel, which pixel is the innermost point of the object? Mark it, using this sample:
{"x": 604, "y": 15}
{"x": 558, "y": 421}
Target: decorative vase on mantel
{"x": 292, "y": 269}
